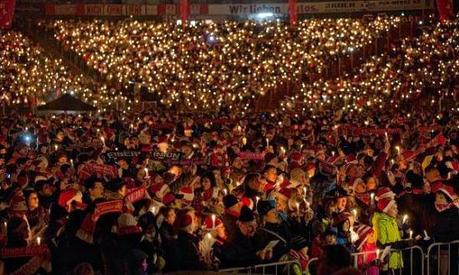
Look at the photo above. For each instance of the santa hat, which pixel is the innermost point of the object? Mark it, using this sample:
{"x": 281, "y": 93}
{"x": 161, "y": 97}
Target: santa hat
{"x": 40, "y": 178}
{"x": 248, "y": 202}
{"x": 384, "y": 193}
{"x": 160, "y": 190}
{"x": 453, "y": 165}
{"x": 293, "y": 183}
{"x": 127, "y": 225}
{"x": 364, "y": 231}
{"x": 18, "y": 203}
{"x": 286, "y": 193}
{"x": 208, "y": 224}
{"x": 445, "y": 189}
{"x": 68, "y": 196}
{"x": 187, "y": 193}
{"x": 385, "y": 204}
{"x": 168, "y": 198}
{"x": 183, "y": 220}
{"x": 296, "y": 157}
{"x": 341, "y": 218}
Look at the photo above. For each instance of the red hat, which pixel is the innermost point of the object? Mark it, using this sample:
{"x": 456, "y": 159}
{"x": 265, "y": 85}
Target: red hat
{"x": 160, "y": 190}
{"x": 187, "y": 193}
{"x": 445, "y": 189}
{"x": 296, "y": 157}
{"x": 364, "y": 231}
{"x": 209, "y": 225}
{"x": 127, "y": 225}
{"x": 286, "y": 192}
{"x": 18, "y": 203}
{"x": 168, "y": 198}
{"x": 162, "y": 139}
{"x": 384, "y": 193}
{"x": 68, "y": 196}
{"x": 183, "y": 220}
{"x": 385, "y": 204}
{"x": 341, "y": 218}
{"x": 247, "y": 202}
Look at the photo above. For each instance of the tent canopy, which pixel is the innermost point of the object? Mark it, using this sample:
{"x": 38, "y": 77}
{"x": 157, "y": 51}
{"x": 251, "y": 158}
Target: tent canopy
{"x": 66, "y": 103}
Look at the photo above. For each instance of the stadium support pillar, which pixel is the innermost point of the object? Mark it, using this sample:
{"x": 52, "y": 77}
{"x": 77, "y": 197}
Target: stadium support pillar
{"x": 292, "y": 12}
{"x": 184, "y": 11}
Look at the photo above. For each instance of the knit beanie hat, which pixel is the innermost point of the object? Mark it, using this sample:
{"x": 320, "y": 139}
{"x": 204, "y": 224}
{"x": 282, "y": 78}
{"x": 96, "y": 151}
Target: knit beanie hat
{"x": 264, "y": 206}
{"x": 246, "y": 215}
{"x": 229, "y": 201}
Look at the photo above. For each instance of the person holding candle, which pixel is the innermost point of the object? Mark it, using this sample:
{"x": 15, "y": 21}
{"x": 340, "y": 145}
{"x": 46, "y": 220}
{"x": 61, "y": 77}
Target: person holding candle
{"x": 386, "y": 229}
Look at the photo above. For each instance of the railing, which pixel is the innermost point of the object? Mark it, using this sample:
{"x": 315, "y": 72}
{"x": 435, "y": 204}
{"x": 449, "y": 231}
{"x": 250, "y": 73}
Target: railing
{"x": 443, "y": 258}
{"x": 271, "y": 268}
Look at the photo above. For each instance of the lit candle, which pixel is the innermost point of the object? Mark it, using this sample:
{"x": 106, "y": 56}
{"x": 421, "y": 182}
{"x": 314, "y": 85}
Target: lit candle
{"x": 257, "y": 199}
{"x": 282, "y": 149}
{"x": 146, "y": 172}
{"x": 71, "y": 163}
{"x": 244, "y": 140}
{"x": 267, "y": 142}
{"x": 56, "y": 147}
{"x": 225, "y": 192}
{"x": 305, "y": 190}
{"x": 405, "y": 218}
{"x": 298, "y": 208}
{"x": 38, "y": 240}
{"x": 426, "y": 237}
{"x": 411, "y": 234}
{"x": 213, "y": 221}
{"x": 103, "y": 140}
{"x": 398, "y": 149}
{"x": 372, "y": 196}
{"x": 377, "y": 253}
{"x": 354, "y": 212}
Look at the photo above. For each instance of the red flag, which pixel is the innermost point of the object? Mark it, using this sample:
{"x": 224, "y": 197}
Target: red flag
{"x": 292, "y": 12}
{"x": 6, "y": 13}
{"x": 184, "y": 10}
{"x": 445, "y": 9}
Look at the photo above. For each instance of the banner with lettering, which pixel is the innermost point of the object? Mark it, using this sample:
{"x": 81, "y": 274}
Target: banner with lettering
{"x": 237, "y": 10}
{"x": 6, "y": 13}
{"x": 115, "y": 206}
{"x": 135, "y": 194}
{"x": 251, "y": 155}
{"x": 21, "y": 252}
{"x": 359, "y": 131}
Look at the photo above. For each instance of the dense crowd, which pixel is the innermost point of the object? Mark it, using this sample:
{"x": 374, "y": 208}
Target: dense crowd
{"x": 156, "y": 191}
{"x": 419, "y": 66}
{"x": 215, "y": 64}
{"x": 30, "y": 77}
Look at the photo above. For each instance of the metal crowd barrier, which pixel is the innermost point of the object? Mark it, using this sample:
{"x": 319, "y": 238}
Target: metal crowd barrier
{"x": 360, "y": 260}
{"x": 271, "y": 268}
{"x": 441, "y": 260}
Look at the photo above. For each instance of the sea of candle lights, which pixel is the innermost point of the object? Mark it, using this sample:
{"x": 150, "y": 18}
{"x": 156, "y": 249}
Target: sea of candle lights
{"x": 209, "y": 65}
{"x": 415, "y": 65}
{"x": 27, "y": 74}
